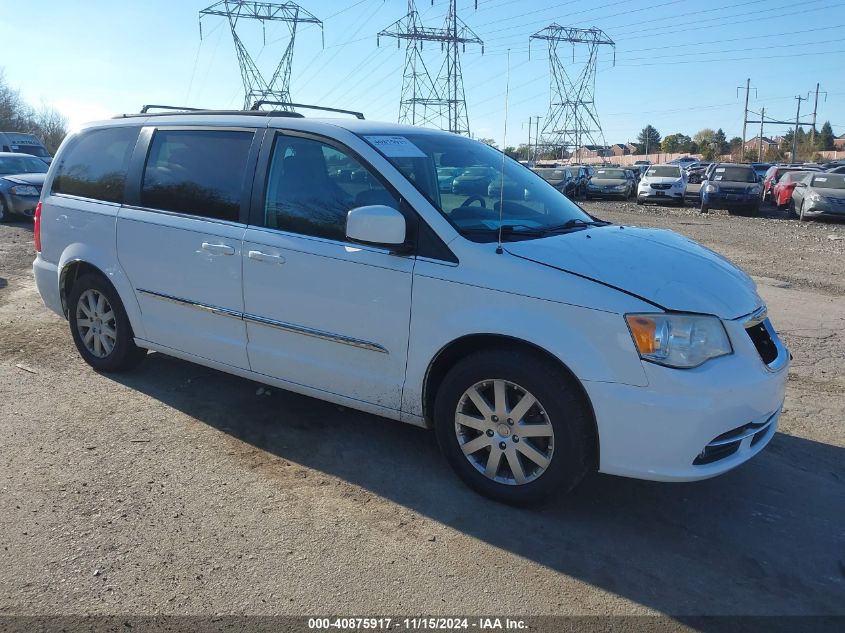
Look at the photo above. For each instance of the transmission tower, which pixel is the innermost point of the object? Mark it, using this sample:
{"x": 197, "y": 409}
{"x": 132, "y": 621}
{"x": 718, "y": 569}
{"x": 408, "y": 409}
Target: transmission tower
{"x": 256, "y": 87}
{"x": 572, "y": 121}
{"x": 426, "y": 99}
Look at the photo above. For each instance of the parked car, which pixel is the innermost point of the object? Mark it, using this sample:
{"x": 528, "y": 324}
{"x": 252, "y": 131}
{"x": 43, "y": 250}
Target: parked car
{"x": 512, "y": 189}
{"x": 782, "y": 190}
{"x": 662, "y": 183}
{"x": 696, "y": 171}
{"x": 731, "y": 186}
{"x": 775, "y": 172}
{"x": 537, "y": 341}
{"x": 818, "y": 194}
{"x": 474, "y": 179}
{"x": 837, "y": 170}
{"x": 20, "y": 143}
{"x": 611, "y": 183}
{"x": 561, "y": 178}
{"x": 643, "y": 162}
{"x": 445, "y": 177}
{"x": 582, "y": 174}
{"x": 760, "y": 169}
{"x": 21, "y": 179}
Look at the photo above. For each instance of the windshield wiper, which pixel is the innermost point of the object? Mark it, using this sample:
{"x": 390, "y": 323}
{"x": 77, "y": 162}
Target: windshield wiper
{"x": 573, "y": 224}
{"x": 509, "y": 229}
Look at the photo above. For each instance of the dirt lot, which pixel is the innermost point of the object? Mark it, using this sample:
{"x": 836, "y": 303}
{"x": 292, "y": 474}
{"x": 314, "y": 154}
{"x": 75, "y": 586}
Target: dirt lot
{"x": 177, "y": 489}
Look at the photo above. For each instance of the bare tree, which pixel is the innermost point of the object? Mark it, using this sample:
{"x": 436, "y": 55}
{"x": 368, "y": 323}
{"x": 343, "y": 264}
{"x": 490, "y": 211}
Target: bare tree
{"x": 16, "y": 115}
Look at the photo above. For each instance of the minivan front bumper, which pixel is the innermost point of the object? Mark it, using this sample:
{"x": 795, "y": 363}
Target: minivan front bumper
{"x": 691, "y": 424}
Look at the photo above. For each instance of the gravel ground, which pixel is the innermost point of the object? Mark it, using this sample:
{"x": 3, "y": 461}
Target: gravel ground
{"x": 177, "y": 489}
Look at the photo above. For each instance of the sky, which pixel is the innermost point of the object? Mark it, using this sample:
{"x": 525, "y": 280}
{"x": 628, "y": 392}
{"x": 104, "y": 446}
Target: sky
{"x": 678, "y": 62}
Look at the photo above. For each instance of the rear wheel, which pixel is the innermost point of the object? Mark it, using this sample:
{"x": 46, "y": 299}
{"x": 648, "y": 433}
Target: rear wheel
{"x": 514, "y": 426}
{"x": 100, "y": 327}
{"x": 801, "y": 213}
{"x": 4, "y": 215}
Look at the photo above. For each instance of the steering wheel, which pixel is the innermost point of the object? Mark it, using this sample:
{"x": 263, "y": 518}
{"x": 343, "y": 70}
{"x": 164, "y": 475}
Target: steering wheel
{"x": 472, "y": 199}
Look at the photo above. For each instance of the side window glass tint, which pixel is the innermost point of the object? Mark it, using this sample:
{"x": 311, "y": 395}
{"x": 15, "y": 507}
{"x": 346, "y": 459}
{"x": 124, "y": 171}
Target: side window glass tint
{"x": 311, "y": 186}
{"x": 200, "y": 172}
{"x": 95, "y": 165}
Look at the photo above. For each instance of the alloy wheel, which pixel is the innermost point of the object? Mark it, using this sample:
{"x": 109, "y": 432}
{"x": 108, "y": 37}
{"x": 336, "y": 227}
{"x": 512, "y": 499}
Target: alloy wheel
{"x": 96, "y": 323}
{"x": 504, "y": 432}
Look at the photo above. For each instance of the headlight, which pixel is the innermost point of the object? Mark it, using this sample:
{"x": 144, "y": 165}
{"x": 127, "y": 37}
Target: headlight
{"x": 756, "y": 190}
{"x": 24, "y": 190}
{"x": 678, "y": 183}
{"x": 620, "y": 187}
{"x": 644, "y": 182}
{"x": 678, "y": 340}
{"x": 592, "y": 186}
{"x": 711, "y": 189}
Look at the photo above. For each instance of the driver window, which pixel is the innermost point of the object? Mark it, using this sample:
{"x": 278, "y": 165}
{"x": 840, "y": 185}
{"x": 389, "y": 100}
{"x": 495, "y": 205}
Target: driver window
{"x": 311, "y": 186}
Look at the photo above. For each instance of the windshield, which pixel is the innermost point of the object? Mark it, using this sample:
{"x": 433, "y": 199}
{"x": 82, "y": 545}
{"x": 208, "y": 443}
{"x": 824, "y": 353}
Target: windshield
{"x": 664, "y": 171}
{"x": 479, "y": 200}
{"x": 735, "y": 174}
{"x": 22, "y": 165}
{"x": 829, "y": 181}
{"x": 33, "y": 150}
{"x": 610, "y": 174}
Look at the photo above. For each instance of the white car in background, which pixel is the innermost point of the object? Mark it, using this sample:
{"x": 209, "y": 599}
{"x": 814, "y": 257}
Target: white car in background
{"x": 663, "y": 184}
{"x": 539, "y": 342}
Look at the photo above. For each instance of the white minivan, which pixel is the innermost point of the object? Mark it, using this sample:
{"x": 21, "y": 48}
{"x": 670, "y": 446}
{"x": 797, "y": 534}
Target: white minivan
{"x": 321, "y": 256}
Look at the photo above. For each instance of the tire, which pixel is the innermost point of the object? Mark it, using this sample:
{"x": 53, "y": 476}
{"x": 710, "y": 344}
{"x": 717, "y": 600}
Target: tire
{"x": 754, "y": 210}
{"x": 639, "y": 201}
{"x": 801, "y": 217}
{"x": 790, "y": 209}
{"x": 704, "y": 208}
{"x": 109, "y": 353}
{"x": 559, "y": 407}
{"x": 4, "y": 215}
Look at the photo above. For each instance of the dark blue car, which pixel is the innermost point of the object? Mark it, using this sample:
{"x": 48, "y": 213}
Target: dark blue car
{"x": 731, "y": 186}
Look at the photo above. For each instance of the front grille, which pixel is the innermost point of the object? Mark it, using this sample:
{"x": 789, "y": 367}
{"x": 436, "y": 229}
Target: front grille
{"x": 766, "y": 347}
{"x": 661, "y": 187}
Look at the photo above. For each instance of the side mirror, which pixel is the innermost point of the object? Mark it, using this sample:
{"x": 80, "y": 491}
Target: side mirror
{"x": 376, "y": 225}
{"x": 800, "y": 184}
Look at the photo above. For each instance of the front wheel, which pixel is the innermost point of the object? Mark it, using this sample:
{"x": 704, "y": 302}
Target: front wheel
{"x": 514, "y": 426}
{"x": 99, "y": 326}
{"x": 801, "y": 213}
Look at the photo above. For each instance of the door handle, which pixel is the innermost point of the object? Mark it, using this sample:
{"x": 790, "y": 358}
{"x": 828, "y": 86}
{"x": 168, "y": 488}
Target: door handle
{"x": 266, "y": 257}
{"x": 218, "y": 249}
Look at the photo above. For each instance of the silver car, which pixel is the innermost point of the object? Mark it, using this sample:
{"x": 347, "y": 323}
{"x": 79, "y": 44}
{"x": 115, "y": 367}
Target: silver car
{"x": 21, "y": 179}
{"x": 818, "y": 194}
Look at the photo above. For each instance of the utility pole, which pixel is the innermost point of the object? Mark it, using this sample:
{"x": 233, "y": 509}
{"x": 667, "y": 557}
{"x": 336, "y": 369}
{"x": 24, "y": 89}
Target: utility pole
{"x": 815, "y": 110}
{"x": 745, "y": 116}
{"x": 760, "y": 146}
{"x": 536, "y": 140}
{"x": 795, "y": 133}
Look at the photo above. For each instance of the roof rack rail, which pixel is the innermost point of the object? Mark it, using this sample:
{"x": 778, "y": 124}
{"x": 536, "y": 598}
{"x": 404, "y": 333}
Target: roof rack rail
{"x": 176, "y": 111}
{"x": 145, "y": 109}
{"x": 258, "y": 104}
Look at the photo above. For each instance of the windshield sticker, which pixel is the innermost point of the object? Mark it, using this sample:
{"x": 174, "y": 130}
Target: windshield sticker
{"x": 821, "y": 179}
{"x": 717, "y": 178}
{"x": 395, "y": 146}
{"x": 719, "y": 170}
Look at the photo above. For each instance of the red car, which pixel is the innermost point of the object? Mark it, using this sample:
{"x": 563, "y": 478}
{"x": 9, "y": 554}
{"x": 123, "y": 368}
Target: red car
{"x": 774, "y": 174}
{"x": 783, "y": 188}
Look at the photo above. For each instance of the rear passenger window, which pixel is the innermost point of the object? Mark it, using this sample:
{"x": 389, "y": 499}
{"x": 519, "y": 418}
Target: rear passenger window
{"x": 312, "y": 186}
{"x": 200, "y": 172}
{"x": 95, "y": 164}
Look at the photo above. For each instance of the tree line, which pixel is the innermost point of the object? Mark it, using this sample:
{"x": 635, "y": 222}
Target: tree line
{"x": 16, "y": 115}
{"x": 711, "y": 144}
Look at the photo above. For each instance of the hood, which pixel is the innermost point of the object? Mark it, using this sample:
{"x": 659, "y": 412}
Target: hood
{"x": 604, "y": 182}
{"x": 657, "y": 265}
{"x": 828, "y": 193}
{"x": 660, "y": 180}
{"x": 26, "y": 179}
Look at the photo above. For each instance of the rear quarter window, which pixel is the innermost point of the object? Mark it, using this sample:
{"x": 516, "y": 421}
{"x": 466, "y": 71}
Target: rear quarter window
{"x": 95, "y": 164}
